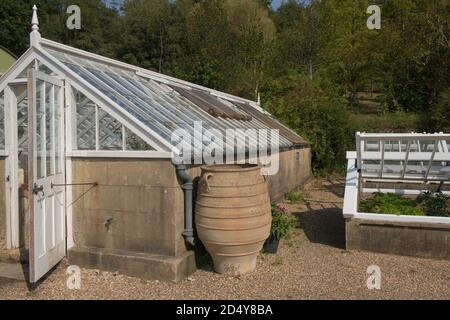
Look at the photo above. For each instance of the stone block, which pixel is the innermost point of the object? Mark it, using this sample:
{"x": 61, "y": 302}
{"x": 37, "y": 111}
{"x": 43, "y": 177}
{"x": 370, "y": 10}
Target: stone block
{"x": 147, "y": 266}
{"x": 426, "y": 240}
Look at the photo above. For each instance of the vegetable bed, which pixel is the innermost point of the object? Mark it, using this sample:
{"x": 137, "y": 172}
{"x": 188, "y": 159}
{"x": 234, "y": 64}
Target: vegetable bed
{"x": 426, "y": 204}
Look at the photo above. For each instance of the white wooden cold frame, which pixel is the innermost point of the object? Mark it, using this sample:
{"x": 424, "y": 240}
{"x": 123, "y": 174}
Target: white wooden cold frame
{"x": 353, "y": 185}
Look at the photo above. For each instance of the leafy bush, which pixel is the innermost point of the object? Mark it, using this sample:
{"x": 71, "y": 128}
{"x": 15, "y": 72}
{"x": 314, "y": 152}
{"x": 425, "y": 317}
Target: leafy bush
{"x": 390, "y": 203}
{"x": 438, "y": 119}
{"x": 435, "y": 204}
{"x": 317, "y": 112}
{"x": 282, "y": 222}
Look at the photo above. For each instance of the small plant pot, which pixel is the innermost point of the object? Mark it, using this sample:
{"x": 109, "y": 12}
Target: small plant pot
{"x": 271, "y": 245}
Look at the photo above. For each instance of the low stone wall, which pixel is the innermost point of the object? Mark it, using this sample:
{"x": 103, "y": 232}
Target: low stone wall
{"x": 427, "y": 240}
{"x": 294, "y": 171}
{"x": 137, "y": 207}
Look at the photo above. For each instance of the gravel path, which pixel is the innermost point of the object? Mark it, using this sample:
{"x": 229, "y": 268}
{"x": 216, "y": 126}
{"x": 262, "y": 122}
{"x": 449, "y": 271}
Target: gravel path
{"x": 310, "y": 265}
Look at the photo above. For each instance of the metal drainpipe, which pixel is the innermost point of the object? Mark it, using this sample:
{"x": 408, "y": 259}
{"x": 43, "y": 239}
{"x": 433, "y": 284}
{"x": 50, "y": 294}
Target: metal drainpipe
{"x": 188, "y": 188}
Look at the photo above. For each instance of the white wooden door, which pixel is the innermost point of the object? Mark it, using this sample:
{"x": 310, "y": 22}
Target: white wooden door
{"x": 46, "y": 173}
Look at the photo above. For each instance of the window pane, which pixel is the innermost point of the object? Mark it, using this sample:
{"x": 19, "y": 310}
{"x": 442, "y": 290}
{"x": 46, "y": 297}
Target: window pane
{"x": 49, "y": 128}
{"x": 110, "y": 132}
{"x": 22, "y": 122}
{"x": 134, "y": 143}
{"x": 43, "y": 68}
{"x": 2, "y": 121}
{"x": 59, "y": 149}
{"x": 24, "y": 73}
{"x": 40, "y": 129}
{"x": 86, "y": 125}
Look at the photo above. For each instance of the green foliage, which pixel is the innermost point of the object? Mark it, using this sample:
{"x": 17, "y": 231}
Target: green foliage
{"x": 314, "y": 110}
{"x": 99, "y": 25}
{"x": 415, "y": 65}
{"x": 295, "y": 197}
{"x": 435, "y": 204}
{"x": 282, "y": 222}
{"x": 428, "y": 203}
{"x": 438, "y": 119}
{"x": 399, "y": 121}
{"x": 390, "y": 203}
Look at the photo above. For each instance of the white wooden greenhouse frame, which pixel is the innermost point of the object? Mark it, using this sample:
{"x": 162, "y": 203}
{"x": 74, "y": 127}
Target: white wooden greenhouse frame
{"x": 401, "y": 158}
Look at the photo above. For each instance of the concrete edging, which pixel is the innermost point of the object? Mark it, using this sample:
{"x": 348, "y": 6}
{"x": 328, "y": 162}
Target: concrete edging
{"x": 418, "y": 239}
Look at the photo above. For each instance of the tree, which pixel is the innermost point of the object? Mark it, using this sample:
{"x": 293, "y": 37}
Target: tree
{"x": 98, "y": 26}
{"x": 146, "y": 34}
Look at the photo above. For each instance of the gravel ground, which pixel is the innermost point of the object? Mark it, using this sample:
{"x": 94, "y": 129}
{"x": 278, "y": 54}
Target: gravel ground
{"x": 310, "y": 265}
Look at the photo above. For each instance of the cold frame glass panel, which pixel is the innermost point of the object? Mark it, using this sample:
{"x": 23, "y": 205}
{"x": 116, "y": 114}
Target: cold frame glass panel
{"x": 86, "y": 122}
{"x": 371, "y": 167}
{"x": 440, "y": 170}
{"x": 416, "y": 169}
{"x": 2, "y": 120}
{"x": 392, "y": 168}
{"x": 110, "y": 135}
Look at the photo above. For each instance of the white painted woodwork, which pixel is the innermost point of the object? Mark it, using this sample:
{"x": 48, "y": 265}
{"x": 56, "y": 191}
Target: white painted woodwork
{"x": 46, "y": 168}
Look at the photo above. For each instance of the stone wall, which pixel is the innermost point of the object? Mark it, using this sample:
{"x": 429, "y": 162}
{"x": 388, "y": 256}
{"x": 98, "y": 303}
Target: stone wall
{"x": 295, "y": 169}
{"x": 137, "y": 207}
{"x": 133, "y": 220}
{"x": 427, "y": 240}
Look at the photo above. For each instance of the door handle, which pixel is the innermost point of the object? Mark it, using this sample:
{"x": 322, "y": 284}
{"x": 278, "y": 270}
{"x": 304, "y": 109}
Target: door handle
{"x": 37, "y": 189}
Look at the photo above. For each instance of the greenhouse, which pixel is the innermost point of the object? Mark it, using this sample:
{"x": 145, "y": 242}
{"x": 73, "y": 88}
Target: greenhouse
{"x": 89, "y": 173}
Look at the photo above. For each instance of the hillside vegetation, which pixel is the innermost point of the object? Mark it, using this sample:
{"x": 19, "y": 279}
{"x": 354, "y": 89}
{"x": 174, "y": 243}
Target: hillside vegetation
{"x": 315, "y": 63}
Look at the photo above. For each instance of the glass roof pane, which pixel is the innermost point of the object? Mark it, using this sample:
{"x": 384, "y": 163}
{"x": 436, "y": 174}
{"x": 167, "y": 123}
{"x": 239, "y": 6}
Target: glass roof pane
{"x": 163, "y": 109}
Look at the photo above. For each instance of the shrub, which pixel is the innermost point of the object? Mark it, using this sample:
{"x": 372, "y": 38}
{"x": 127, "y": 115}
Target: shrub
{"x": 435, "y": 204}
{"x": 318, "y": 113}
{"x": 390, "y": 203}
{"x": 282, "y": 222}
{"x": 438, "y": 118}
